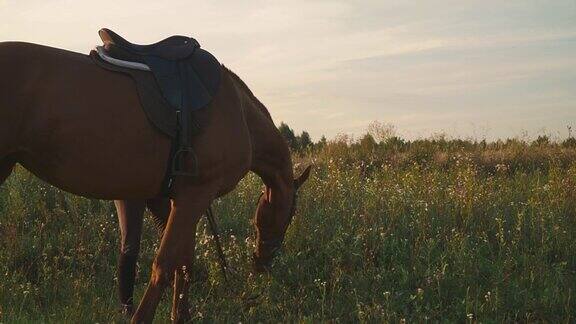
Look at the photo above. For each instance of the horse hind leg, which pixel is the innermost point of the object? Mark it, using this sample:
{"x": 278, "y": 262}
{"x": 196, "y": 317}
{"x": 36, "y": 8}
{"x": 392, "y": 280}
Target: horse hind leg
{"x": 130, "y": 216}
{"x": 130, "y": 219}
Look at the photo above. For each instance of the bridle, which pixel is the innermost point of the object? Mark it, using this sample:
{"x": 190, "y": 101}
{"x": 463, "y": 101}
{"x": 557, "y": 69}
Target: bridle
{"x": 273, "y": 245}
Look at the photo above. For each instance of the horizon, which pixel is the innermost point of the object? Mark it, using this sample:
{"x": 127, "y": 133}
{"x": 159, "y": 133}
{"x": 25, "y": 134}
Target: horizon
{"x": 391, "y": 133}
{"x": 483, "y": 69}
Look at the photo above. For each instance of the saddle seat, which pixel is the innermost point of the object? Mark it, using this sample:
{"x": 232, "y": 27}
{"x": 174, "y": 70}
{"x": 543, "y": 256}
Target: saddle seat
{"x": 171, "y": 48}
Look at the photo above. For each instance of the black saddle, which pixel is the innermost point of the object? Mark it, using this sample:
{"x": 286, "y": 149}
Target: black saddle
{"x": 171, "y": 48}
{"x": 187, "y": 78}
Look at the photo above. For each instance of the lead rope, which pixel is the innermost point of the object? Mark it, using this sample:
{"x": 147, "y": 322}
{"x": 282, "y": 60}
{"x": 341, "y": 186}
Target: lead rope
{"x": 214, "y": 230}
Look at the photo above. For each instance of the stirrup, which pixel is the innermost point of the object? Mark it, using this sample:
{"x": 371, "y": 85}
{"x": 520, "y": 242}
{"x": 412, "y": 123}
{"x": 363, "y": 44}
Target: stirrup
{"x": 178, "y": 162}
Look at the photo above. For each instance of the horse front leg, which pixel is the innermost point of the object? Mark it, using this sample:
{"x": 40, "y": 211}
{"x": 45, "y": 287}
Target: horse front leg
{"x": 160, "y": 209}
{"x": 180, "y": 307}
{"x": 175, "y": 256}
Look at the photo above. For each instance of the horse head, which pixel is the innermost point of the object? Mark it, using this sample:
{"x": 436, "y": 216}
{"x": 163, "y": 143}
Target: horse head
{"x": 276, "y": 208}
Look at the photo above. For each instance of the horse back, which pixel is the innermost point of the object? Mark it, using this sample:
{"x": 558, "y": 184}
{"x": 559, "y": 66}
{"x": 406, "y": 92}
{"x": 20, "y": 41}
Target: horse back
{"x": 77, "y": 126}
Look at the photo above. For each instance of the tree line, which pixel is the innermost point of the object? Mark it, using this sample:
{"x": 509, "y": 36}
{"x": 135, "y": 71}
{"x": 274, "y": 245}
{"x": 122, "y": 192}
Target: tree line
{"x": 300, "y": 142}
{"x": 384, "y": 135}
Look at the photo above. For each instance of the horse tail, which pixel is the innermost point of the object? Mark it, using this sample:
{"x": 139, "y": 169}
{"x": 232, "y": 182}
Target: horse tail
{"x": 6, "y": 161}
{"x": 9, "y": 58}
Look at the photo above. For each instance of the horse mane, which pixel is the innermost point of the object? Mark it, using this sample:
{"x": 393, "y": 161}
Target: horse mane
{"x": 247, "y": 90}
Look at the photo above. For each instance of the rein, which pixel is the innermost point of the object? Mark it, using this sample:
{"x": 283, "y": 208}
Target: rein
{"x": 215, "y": 233}
{"x": 273, "y": 245}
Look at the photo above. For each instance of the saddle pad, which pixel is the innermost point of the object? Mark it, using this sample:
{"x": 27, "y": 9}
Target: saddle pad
{"x": 121, "y": 63}
{"x": 158, "y": 111}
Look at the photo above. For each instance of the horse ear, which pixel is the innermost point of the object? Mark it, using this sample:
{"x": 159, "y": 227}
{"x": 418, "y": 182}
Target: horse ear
{"x": 302, "y": 178}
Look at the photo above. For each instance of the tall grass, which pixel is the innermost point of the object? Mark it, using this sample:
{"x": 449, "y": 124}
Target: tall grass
{"x": 419, "y": 231}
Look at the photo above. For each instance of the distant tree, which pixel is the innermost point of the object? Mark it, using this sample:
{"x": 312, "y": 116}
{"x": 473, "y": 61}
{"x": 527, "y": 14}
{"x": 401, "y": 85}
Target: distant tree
{"x": 381, "y": 132}
{"x": 304, "y": 141}
{"x": 570, "y": 142}
{"x": 367, "y": 142}
{"x": 322, "y": 142}
{"x": 396, "y": 143}
{"x": 541, "y": 140}
{"x": 288, "y": 135}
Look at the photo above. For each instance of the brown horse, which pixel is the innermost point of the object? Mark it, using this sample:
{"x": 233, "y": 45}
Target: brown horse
{"x": 82, "y": 129}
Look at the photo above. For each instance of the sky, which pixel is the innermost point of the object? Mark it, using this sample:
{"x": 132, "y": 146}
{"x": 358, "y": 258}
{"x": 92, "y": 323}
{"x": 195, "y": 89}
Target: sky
{"x": 472, "y": 69}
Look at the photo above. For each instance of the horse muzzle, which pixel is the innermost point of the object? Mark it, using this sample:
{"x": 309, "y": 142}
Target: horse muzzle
{"x": 267, "y": 250}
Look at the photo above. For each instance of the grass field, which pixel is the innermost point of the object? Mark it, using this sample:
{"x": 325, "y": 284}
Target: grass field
{"x": 428, "y": 230}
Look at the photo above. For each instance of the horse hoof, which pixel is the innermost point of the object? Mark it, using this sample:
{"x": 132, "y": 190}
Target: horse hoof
{"x": 261, "y": 267}
{"x": 127, "y": 310}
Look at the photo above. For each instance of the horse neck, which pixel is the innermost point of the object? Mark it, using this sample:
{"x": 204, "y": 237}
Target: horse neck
{"x": 271, "y": 158}
{"x": 270, "y": 153}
